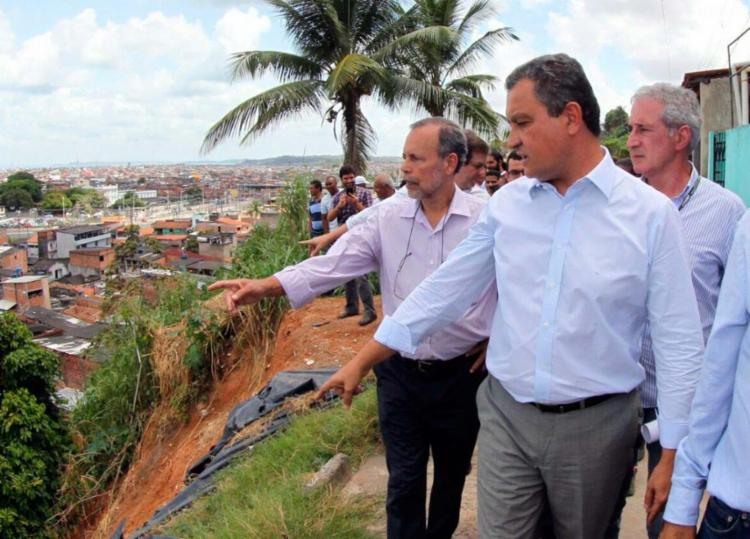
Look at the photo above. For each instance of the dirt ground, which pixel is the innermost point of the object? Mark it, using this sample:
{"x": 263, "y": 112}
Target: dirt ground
{"x": 371, "y": 480}
{"x": 310, "y": 337}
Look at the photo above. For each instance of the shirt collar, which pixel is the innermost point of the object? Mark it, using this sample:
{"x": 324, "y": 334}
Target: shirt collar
{"x": 459, "y": 205}
{"x": 602, "y": 176}
{"x": 691, "y": 182}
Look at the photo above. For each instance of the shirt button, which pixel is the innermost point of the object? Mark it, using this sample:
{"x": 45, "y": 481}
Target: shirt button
{"x": 432, "y": 262}
{"x": 545, "y": 324}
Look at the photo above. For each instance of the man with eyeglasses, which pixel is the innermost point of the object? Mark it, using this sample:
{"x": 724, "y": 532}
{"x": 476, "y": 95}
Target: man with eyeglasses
{"x": 426, "y": 400}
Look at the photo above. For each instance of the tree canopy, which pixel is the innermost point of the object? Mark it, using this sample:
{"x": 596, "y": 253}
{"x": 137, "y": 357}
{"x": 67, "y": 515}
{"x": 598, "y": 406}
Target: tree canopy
{"x": 347, "y": 50}
{"x": 615, "y": 132}
{"x": 20, "y": 181}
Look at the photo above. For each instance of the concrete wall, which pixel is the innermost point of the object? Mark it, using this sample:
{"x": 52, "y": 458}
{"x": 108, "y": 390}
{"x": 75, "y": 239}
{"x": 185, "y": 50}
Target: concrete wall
{"x": 715, "y": 114}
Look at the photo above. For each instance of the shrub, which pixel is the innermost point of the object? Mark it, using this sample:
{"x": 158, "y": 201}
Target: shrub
{"x": 33, "y": 438}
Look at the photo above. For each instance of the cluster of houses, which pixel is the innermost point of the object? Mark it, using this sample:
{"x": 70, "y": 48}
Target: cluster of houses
{"x": 55, "y": 279}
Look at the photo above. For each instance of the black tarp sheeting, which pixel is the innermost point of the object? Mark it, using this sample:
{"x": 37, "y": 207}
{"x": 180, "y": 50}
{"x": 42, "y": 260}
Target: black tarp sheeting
{"x": 200, "y": 475}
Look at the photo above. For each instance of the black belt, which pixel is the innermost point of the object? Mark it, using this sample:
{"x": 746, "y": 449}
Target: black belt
{"x": 436, "y": 367}
{"x": 572, "y": 406}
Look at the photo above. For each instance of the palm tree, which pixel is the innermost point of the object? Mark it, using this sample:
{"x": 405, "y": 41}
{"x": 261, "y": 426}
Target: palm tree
{"x": 350, "y": 49}
{"x": 445, "y": 61}
{"x": 344, "y": 49}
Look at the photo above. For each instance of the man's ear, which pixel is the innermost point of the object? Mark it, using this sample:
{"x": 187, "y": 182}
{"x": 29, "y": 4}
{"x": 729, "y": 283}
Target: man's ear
{"x": 682, "y": 137}
{"x": 451, "y": 163}
{"x": 572, "y": 114}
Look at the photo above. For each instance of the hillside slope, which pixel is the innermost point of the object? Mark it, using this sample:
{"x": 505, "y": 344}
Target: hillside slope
{"x": 310, "y": 337}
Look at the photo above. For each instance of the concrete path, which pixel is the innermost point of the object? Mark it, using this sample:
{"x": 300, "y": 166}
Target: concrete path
{"x": 372, "y": 477}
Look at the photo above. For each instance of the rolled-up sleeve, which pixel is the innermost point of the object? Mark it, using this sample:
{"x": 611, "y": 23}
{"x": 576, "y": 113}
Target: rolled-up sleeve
{"x": 354, "y": 254}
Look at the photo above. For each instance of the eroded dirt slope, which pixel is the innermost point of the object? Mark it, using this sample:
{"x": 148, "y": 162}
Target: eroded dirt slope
{"x": 310, "y": 337}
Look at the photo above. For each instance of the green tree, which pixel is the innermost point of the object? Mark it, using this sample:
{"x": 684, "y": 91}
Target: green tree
{"x": 130, "y": 246}
{"x": 21, "y": 175}
{"x": 129, "y": 200}
{"x": 32, "y": 434}
{"x": 347, "y": 50}
{"x": 154, "y": 245}
{"x": 16, "y": 198}
{"x": 193, "y": 193}
{"x": 25, "y": 182}
{"x": 616, "y": 121}
{"x": 191, "y": 244}
{"x": 442, "y": 64}
{"x": 615, "y": 133}
{"x": 85, "y": 198}
{"x": 56, "y": 200}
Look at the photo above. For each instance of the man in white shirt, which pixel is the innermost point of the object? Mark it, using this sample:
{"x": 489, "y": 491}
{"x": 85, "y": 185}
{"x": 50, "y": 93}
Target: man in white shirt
{"x": 331, "y": 188}
{"x": 470, "y": 178}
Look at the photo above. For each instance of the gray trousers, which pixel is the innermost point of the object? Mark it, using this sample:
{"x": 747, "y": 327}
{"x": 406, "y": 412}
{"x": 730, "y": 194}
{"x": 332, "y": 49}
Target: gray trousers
{"x": 573, "y": 463}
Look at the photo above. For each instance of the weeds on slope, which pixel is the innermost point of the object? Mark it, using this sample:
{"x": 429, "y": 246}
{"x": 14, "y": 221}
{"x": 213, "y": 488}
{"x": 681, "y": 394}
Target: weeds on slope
{"x": 262, "y": 495}
{"x": 166, "y": 348}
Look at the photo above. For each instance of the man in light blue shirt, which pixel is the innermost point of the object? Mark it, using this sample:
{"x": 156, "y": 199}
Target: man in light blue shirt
{"x": 714, "y": 454}
{"x": 665, "y": 130}
{"x": 583, "y": 255}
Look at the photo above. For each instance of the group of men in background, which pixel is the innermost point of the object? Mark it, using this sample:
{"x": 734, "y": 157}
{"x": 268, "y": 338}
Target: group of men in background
{"x": 596, "y": 290}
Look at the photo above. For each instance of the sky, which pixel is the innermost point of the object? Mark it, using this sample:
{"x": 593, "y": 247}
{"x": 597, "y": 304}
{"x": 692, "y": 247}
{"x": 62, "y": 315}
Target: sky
{"x": 143, "y": 80}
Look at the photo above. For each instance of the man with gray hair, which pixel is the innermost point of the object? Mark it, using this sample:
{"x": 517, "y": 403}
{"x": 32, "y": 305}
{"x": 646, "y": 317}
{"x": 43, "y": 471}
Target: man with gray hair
{"x": 383, "y": 187}
{"x": 665, "y": 130}
{"x": 426, "y": 399}
{"x": 582, "y": 255}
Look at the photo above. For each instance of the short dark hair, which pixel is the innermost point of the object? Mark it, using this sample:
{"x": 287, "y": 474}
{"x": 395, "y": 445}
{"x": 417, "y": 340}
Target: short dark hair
{"x": 498, "y": 156}
{"x": 316, "y": 183}
{"x": 558, "y": 80}
{"x": 474, "y": 144}
{"x": 494, "y": 172}
{"x": 347, "y": 169}
{"x": 451, "y": 138}
{"x": 515, "y": 156}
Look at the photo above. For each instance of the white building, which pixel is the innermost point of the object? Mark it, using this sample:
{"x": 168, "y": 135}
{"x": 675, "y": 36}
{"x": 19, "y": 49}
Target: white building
{"x": 111, "y": 192}
{"x": 80, "y": 237}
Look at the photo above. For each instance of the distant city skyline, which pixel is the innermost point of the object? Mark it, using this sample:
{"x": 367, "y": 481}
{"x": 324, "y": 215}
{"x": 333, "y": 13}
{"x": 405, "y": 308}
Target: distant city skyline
{"x": 142, "y": 81}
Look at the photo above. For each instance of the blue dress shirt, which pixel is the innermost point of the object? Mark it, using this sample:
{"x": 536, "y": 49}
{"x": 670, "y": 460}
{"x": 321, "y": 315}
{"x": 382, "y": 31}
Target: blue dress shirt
{"x": 709, "y": 217}
{"x": 577, "y": 277}
{"x": 718, "y": 444}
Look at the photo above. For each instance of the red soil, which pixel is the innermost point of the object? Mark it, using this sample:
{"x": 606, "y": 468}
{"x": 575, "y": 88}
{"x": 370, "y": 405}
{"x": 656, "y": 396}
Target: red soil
{"x": 164, "y": 456}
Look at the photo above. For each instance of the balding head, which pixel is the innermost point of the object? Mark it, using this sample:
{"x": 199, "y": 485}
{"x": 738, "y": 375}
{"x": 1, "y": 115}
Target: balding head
{"x": 383, "y": 186}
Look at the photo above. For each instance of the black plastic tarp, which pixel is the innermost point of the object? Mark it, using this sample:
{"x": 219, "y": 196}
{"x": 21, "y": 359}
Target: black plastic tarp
{"x": 200, "y": 476}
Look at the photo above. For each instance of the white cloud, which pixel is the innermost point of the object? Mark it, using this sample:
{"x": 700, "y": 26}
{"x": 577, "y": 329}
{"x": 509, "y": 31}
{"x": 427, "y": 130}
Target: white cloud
{"x": 149, "y": 86}
{"x": 241, "y": 30}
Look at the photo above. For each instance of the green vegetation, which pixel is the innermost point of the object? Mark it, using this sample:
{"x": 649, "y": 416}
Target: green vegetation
{"x": 56, "y": 200}
{"x": 445, "y": 60}
{"x": 129, "y": 200}
{"x": 615, "y": 133}
{"x": 86, "y": 198}
{"x": 163, "y": 351}
{"x": 349, "y": 49}
{"x": 262, "y": 495}
{"x": 32, "y": 434}
{"x": 21, "y": 190}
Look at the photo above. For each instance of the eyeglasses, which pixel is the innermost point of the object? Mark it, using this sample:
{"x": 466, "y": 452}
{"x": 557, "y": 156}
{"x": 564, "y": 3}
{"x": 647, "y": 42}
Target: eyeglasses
{"x": 408, "y": 252}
